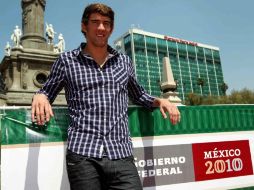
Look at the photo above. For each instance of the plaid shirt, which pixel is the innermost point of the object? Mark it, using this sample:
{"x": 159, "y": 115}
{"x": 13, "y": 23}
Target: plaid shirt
{"x": 97, "y": 101}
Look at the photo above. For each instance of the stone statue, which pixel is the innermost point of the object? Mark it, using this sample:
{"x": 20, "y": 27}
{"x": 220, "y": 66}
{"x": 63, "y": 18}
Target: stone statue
{"x": 43, "y": 2}
{"x": 60, "y": 46}
{"x": 50, "y": 33}
{"x": 15, "y": 37}
{"x": 7, "y": 49}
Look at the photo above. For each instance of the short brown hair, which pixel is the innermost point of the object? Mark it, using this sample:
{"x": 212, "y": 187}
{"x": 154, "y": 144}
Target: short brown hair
{"x": 98, "y": 8}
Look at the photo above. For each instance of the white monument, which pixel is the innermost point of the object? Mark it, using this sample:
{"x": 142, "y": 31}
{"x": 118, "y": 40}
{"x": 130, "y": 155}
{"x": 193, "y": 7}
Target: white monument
{"x": 60, "y": 46}
{"x": 7, "y": 49}
{"x": 168, "y": 84}
{"x": 50, "y": 33}
{"x": 15, "y": 37}
{"x": 28, "y": 66}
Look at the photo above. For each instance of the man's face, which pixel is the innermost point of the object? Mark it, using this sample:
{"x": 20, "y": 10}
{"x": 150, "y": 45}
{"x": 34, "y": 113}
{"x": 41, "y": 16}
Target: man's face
{"x": 98, "y": 30}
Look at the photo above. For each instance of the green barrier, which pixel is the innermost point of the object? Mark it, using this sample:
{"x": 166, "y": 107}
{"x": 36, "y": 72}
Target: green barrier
{"x": 244, "y": 188}
{"x": 13, "y": 130}
{"x": 16, "y": 126}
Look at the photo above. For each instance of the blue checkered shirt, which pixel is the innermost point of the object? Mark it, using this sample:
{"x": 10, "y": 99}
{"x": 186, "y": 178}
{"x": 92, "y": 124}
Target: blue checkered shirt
{"x": 97, "y": 101}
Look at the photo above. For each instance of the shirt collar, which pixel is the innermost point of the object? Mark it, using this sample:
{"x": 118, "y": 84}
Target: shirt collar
{"x": 79, "y": 51}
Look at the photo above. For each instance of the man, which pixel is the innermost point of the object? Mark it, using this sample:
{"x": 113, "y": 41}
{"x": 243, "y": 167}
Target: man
{"x": 97, "y": 81}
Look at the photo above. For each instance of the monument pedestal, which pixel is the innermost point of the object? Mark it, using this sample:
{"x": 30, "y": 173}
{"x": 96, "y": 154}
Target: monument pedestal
{"x": 24, "y": 72}
{"x": 24, "y": 98}
{"x": 172, "y": 97}
{"x": 168, "y": 85}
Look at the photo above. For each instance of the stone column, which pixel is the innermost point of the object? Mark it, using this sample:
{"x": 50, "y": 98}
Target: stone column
{"x": 168, "y": 85}
{"x": 33, "y": 24}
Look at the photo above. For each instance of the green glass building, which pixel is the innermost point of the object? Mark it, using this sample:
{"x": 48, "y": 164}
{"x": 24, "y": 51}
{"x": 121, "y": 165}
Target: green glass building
{"x": 196, "y": 67}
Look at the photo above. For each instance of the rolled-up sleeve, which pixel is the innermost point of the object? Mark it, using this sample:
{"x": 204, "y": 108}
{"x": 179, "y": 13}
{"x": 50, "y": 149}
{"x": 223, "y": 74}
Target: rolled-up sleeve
{"x": 55, "y": 81}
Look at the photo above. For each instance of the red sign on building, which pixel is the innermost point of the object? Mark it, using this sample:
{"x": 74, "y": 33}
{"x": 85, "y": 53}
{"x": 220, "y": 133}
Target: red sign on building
{"x": 169, "y": 38}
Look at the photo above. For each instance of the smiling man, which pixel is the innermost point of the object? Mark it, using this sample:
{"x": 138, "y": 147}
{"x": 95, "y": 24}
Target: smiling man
{"x": 97, "y": 81}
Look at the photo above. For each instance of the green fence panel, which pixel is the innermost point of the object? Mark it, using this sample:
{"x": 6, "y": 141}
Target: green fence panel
{"x": 244, "y": 188}
{"x": 17, "y": 128}
{"x": 160, "y": 125}
{"x": 13, "y": 126}
{"x": 134, "y": 122}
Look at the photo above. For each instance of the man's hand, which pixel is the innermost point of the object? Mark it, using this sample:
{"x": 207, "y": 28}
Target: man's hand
{"x": 166, "y": 106}
{"x": 41, "y": 109}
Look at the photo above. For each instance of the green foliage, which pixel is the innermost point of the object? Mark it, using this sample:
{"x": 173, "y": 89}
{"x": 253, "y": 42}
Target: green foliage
{"x": 193, "y": 99}
{"x": 201, "y": 82}
{"x": 224, "y": 87}
{"x": 244, "y": 96}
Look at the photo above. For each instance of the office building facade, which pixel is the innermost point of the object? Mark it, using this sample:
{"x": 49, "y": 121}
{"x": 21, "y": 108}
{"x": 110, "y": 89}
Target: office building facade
{"x": 196, "y": 67}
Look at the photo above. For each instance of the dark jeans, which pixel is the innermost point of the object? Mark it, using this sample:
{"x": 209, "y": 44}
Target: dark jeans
{"x": 96, "y": 174}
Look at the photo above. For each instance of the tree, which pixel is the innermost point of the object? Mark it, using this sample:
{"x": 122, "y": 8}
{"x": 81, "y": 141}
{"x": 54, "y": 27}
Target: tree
{"x": 193, "y": 99}
{"x": 210, "y": 100}
{"x": 201, "y": 82}
{"x": 224, "y": 87}
{"x": 244, "y": 96}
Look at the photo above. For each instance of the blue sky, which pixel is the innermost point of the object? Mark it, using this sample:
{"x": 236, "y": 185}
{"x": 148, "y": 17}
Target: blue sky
{"x": 227, "y": 24}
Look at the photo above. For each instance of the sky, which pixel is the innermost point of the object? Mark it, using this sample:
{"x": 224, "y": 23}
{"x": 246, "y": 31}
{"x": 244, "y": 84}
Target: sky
{"x": 227, "y": 24}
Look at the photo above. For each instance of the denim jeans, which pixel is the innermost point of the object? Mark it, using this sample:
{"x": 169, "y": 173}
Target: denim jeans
{"x": 86, "y": 173}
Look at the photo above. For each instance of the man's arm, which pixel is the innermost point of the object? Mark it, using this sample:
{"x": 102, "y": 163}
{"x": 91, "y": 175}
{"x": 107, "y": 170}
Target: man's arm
{"x": 165, "y": 106}
{"x": 41, "y": 109}
{"x": 139, "y": 95}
